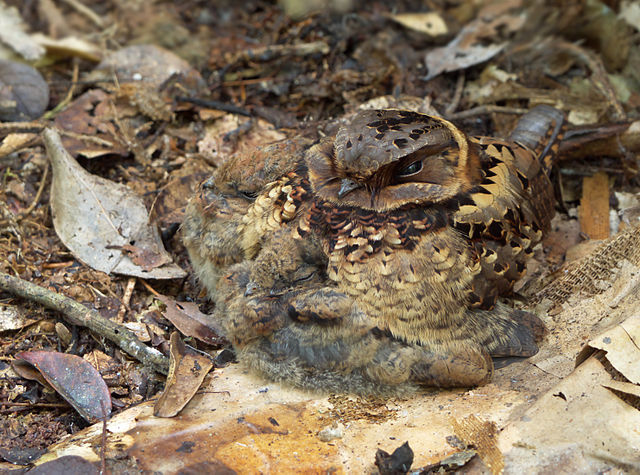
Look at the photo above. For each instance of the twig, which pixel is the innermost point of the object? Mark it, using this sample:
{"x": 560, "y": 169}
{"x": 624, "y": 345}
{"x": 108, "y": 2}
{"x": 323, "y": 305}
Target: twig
{"x": 86, "y": 11}
{"x": 21, "y": 127}
{"x": 77, "y": 314}
{"x": 267, "y": 53}
{"x": 126, "y": 298}
{"x": 69, "y": 97}
{"x": 457, "y": 95}
{"x": 33, "y": 404}
{"x": 486, "y": 109}
{"x": 210, "y": 104}
{"x": 34, "y": 203}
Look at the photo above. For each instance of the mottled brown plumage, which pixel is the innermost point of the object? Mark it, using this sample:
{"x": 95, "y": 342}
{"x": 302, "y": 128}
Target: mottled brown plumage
{"x": 393, "y": 245}
{"x": 214, "y": 223}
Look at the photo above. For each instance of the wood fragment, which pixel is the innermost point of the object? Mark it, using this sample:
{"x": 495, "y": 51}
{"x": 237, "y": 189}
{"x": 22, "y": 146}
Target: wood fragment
{"x": 593, "y": 212}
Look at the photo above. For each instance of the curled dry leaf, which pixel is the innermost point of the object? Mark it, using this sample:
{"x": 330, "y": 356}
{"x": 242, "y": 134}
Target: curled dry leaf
{"x": 74, "y": 379}
{"x": 479, "y": 41}
{"x": 186, "y": 373}
{"x": 96, "y": 218}
{"x": 187, "y": 318}
{"x": 24, "y": 94}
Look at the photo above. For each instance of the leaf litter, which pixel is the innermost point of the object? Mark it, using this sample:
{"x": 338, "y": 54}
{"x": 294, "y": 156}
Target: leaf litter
{"x": 147, "y": 119}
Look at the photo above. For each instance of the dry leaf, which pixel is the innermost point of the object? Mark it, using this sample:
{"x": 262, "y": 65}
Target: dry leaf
{"x": 430, "y": 23}
{"x": 74, "y": 379}
{"x": 190, "y": 321}
{"x": 24, "y": 94}
{"x": 12, "y": 34}
{"x": 95, "y": 218}
{"x": 594, "y": 206}
{"x": 479, "y": 41}
{"x": 148, "y": 63}
{"x": 187, "y": 370}
{"x": 13, "y": 317}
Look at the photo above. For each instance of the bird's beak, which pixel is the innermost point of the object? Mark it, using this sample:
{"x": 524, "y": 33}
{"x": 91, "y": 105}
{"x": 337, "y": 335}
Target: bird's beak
{"x": 250, "y": 289}
{"x": 347, "y": 186}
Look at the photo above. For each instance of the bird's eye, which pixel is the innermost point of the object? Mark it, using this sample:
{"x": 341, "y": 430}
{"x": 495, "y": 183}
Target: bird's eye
{"x": 411, "y": 169}
{"x": 250, "y": 195}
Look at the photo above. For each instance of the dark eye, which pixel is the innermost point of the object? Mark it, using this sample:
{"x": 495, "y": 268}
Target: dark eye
{"x": 250, "y": 195}
{"x": 411, "y": 169}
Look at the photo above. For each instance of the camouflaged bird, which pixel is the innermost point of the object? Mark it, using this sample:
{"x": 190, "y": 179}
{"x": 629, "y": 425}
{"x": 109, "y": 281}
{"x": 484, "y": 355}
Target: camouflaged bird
{"x": 424, "y": 227}
{"x": 214, "y": 219}
{"x": 403, "y": 231}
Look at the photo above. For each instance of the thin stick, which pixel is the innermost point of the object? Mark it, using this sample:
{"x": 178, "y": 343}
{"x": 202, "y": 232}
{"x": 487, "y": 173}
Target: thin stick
{"x": 77, "y": 314}
{"x": 457, "y": 96}
{"x": 487, "y": 109}
{"x": 86, "y": 11}
{"x": 126, "y": 298}
{"x": 34, "y": 203}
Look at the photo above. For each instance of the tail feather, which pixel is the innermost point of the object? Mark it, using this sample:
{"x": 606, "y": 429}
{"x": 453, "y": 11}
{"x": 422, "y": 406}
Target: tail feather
{"x": 541, "y": 130}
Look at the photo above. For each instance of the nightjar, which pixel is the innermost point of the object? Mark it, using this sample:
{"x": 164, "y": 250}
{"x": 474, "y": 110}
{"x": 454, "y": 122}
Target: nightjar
{"x": 378, "y": 261}
{"x": 214, "y": 219}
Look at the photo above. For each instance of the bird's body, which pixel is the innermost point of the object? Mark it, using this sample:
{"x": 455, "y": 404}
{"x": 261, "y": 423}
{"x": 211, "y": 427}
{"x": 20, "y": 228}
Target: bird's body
{"x": 213, "y": 228}
{"x": 391, "y": 243}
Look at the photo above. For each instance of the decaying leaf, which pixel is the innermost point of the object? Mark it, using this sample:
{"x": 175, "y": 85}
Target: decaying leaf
{"x": 470, "y": 46}
{"x": 187, "y": 370}
{"x": 599, "y": 428}
{"x": 13, "y": 317}
{"x": 187, "y": 318}
{"x": 74, "y": 379}
{"x": 24, "y": 94}
{"x": 95, "y": 218}
{"x": 88, "y": 119}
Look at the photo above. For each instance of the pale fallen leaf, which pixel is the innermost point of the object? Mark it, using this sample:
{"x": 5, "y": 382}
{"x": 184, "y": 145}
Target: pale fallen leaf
{"x": 147, "y": 63}
{"x": 13, "y": 35}
{"x": 430, "y": 23}
{"x": 479, "y": 41}
{"x": 69, "y": 46}
{"x": 95, "y": 218}
{"x": 13, "y": 318}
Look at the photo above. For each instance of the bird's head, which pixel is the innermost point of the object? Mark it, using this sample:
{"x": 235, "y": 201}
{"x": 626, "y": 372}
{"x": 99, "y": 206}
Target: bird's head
{"x": 385, "y": 159}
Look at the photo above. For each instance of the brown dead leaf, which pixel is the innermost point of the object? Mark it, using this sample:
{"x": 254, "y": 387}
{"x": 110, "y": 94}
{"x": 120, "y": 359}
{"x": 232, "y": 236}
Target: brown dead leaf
{"x": 187, "y": 318}
{"x": 187, "y": 370}
{"x": 95, "y": 218}
{"x": 90, "y": 116}
{"x": 74, "y": 379}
